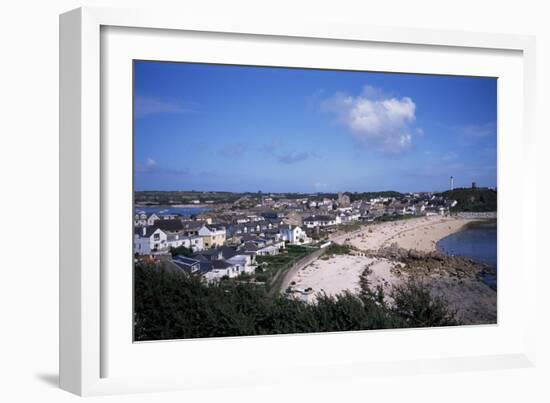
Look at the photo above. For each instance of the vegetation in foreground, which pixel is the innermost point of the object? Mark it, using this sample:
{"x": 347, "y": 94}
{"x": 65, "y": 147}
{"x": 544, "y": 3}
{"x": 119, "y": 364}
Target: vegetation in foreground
{"x": 171, "y": 305}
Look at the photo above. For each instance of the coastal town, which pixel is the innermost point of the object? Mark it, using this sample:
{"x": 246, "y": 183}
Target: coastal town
{"x": 267, "y": 227}
{"x": 289, "y": 200}
{"x": 286, "y": 242}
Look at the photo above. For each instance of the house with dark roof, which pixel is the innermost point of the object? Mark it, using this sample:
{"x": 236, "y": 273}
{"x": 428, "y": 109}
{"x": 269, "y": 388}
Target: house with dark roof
{"x": 210, "y": 270}
{"x": 214, "y": 264}
{"x": 192, "y": 227}
{"x": 219, "y": 253}
{"x": 187, "y": 264}
{"x": 256, "y": 228}
{"x": 160, "y": 238}
{"x": 262, "y": 246}
{"x": 149, "y": 240}
{"x": 170, "y": 225}
{"x": 272, "y": 215}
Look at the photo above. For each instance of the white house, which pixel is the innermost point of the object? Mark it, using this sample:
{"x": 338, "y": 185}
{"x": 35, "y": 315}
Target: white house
{"x": 321, "y": 221}
{"x": 211, "y": 270}
{"x": 225, "y": 261}
{"x": 152, "y": 218}
{"x": 195, "y": 243}
{"x": 217, "y": 270}
{"x": 349, "y": 216}
{"x": 243, "y": 263}
{"x": 149, "y": 240}
{"x": 293, "y": 234}
{"x": 263, "y": 247}
{"x": 141, "y": 219}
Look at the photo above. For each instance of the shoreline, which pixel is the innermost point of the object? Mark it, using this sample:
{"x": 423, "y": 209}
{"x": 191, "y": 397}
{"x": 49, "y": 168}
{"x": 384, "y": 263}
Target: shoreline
{"x": 338, "y": 273}
{"x": 390, "y": 254}
{"x": 488, "y": 277}
{"x": 421, "y": 234}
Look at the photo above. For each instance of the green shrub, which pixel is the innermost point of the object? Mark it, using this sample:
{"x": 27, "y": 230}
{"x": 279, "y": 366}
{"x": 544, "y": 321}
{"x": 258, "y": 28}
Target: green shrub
{"x": 172, "y": 305}
{"x": 413, "y": 302}
{"x": 336, "y": 249}
{"x": 181, "y": 250}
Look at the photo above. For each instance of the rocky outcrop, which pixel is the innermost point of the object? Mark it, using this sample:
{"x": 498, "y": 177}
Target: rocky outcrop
{"x": 458, "y": 280}
{"x": 434, "y": 263}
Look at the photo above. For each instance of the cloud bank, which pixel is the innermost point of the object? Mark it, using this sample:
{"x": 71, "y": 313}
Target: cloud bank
{"x": 378, "y": 122}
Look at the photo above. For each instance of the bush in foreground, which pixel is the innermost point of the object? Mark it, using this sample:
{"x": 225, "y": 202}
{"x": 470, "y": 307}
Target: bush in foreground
{"x": 170, "y": 305}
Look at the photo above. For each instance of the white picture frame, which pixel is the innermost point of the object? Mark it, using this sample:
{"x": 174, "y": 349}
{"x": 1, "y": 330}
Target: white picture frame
{"x": 88, "y": 334}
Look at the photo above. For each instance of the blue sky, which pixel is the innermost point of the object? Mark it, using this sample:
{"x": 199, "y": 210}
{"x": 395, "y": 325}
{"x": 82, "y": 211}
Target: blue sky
{"x": 237, "y": 128}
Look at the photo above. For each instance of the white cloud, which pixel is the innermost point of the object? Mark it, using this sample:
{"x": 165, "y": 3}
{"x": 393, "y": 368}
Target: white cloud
{"x": 146, "y": 105}
{"x": 377, "y": 121}
{"x": 149, "y": 165}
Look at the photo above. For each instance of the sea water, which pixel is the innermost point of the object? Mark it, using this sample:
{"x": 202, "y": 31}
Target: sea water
{"x": 477, "y": 241}
{"x": 183, "y": 211}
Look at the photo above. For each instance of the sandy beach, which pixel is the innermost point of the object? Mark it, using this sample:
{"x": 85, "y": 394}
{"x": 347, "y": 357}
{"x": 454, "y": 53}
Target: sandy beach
{"x": 473, "y": 301}
{"x": 339, "y": 273}
{"x": 420, "y": 233}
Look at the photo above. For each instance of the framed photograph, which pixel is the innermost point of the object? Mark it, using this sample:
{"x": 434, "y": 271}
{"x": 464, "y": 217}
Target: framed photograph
{"x": 256, "y": 202}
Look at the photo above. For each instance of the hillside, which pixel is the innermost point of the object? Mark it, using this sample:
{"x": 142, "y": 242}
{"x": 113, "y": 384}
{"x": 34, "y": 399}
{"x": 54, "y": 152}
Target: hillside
{"x": 478, "y": 200}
